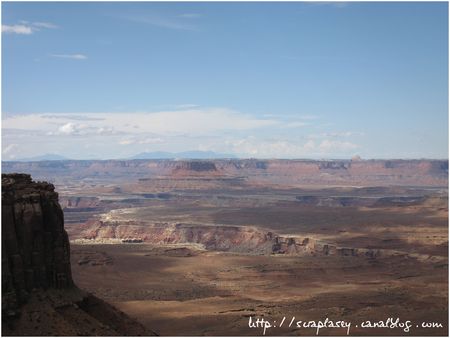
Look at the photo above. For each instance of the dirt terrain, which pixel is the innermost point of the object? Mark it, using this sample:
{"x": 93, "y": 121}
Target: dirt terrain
{"x": 204, "y": 247}
{"x": 197, "y": 292}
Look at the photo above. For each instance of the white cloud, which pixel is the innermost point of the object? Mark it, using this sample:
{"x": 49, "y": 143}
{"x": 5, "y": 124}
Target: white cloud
{"x": 151, "y": 140}
{"x": 186, "y": 106}
{"x": 47, "y": 25}
{"x": 72, "y": 117}
{"x": 17, "y": 29}
{"x": 336, "y": 134}
{"x": 73, "y": 129}
{"x": 215, "y": 129}
{"x": 27, "y": 28}
{"x": 106, "y": 131}
{"x": 145, "y": 140}
{"x": 296, "y": 124}
{"x": 309, "y": 117}
{"x": 176, "y": 23}
{"x": 192, "y": 121}
{"x": 70, "y": 56}
{"x": 276, "y": 148}
{"x": 9, "y": 148}
{"x": 331, "y": 146}
{"x": 344, "y": 134}
{"x": 68, "y": 129}
{"x": 126, "y": 142}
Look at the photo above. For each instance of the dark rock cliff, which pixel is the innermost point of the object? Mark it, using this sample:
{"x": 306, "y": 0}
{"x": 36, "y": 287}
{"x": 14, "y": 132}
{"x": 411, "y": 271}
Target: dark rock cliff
{"x": 39, "y": 297}
{"x": 196, "y": 166}
{"x": 35, "y": 246}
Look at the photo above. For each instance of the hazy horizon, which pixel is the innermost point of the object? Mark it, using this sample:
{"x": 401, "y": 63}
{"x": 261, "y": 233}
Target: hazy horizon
{"x": 44, "y": 157}
{"x": 253, "y": 80}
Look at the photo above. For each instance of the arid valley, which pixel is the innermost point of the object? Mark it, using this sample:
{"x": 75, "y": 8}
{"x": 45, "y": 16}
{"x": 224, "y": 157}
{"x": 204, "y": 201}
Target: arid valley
{"x": 225, "y": 168}
{"x": 203, "y": 247}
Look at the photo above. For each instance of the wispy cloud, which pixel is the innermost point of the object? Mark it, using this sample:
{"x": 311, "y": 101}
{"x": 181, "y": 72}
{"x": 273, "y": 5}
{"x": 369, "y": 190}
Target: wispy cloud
{"x": 334, "y": 146}
{"x": 81, "y": 129}
{"x": 17, "y": 29}
{"x": 335, "y": 4}
{"x": 27, "y": 28}
{"x": 286, "y": 148}
{"x": 47, "y": 25}
{"x": 187, "y": 106}
{"x": 9, "y": 148}
{"x": 70, "y": 56}
{"x": 215, "y": 129}
{"x": 72, "y": 117}
{"x": 296, "y": 124}
{"x": 336, "y": 134}
{"x": 175, "y": 22}
{"x": 190, "y": 15}
{"x": 147, "y": 140}
{"x": 189, "y": 121}
{"x": 294, "y": 116}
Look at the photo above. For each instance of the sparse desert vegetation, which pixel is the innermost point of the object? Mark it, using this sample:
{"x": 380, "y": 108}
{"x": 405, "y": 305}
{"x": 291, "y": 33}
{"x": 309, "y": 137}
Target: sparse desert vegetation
{"x": 198, "y": 249}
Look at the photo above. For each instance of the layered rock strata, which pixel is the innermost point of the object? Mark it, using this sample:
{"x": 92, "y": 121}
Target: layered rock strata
{"x": 35, "y": 246}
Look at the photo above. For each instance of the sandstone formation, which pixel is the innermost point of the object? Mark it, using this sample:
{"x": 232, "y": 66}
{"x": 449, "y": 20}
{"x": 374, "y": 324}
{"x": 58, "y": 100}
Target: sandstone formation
{"x": 38, "y": 294}
{"x": 238, "y": 239}
{"x": 35, "y": 247}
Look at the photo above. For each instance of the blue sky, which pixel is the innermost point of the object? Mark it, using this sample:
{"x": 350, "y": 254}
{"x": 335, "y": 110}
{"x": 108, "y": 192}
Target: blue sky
{"x": 269, "y": 80}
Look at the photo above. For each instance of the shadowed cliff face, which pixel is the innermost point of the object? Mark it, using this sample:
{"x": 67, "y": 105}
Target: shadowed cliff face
{"x": 196, "y": 166}
{"x": 35, "y": 246}
{"x": 39, "y": 297}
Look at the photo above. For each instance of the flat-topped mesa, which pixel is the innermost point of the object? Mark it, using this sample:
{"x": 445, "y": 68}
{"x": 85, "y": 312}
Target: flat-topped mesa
{"x": 196, "y": 166}
{"x": 278, "y": 173}
{"x": 35, "y": 246}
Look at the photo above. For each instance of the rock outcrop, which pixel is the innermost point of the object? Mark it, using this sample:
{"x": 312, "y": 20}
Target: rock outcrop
{"x": 39, "y": 297}
{"x": 35, "y": 246}
{"x": 196, "y": 166}
{"x": 242, "y": 239}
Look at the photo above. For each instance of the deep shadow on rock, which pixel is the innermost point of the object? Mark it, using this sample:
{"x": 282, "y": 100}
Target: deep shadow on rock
{"x": 38, "y": 294}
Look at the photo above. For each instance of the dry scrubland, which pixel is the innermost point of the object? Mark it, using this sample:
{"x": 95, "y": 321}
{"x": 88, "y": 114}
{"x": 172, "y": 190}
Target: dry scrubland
{"x": 211, "y": 243}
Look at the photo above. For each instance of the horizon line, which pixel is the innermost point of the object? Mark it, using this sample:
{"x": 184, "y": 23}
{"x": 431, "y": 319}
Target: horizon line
{"x": 236, "y": 159}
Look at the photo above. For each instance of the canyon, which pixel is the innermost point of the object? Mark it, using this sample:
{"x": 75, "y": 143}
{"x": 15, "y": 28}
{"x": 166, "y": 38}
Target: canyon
{"x": 196, "y": 247}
